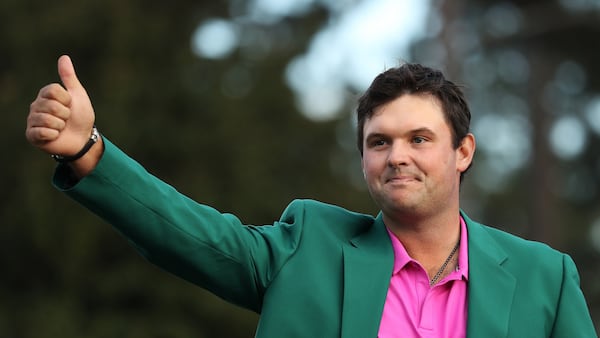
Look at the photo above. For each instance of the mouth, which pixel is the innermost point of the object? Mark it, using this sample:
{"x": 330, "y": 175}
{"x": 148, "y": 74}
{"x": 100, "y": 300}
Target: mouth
{"x": 401, "y": 179}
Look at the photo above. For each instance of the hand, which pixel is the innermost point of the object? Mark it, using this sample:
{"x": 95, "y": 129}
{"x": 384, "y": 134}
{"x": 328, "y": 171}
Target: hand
{"x": 61, "y": 118}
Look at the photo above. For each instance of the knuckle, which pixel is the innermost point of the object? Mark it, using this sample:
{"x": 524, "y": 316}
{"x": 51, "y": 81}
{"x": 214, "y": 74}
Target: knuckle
{"x": 33, "y": 135}
{"x": 46, "y": 91}
{"x": 54, "y": 91}
{"x": 45, "y": 134}
{"x": 33, "y": 120}
{"x": 52, "y": 107}
{"x": 42, "y": 134}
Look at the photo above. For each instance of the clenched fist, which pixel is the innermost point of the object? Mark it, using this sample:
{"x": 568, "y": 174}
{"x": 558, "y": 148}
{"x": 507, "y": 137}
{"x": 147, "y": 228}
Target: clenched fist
{"x": 61, "y": 119}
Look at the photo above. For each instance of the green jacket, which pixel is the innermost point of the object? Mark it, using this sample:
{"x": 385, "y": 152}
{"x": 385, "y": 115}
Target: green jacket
{"x": 323, "y": 271}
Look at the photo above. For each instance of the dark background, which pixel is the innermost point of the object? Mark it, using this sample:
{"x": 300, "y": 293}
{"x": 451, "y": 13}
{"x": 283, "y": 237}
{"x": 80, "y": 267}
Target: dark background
{"x": 65, "y": 273}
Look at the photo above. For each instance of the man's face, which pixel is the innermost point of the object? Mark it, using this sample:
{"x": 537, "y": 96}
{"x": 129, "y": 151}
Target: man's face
{"x": 409, "y": 161}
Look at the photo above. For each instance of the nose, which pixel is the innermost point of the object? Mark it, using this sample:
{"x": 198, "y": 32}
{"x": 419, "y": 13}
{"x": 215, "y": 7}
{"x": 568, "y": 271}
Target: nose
{"x": 398, "y": 155}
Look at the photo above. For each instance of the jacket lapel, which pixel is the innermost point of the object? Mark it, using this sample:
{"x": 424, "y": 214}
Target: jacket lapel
{"x": 368, "y": 264}
{"x": 491, "y": 287}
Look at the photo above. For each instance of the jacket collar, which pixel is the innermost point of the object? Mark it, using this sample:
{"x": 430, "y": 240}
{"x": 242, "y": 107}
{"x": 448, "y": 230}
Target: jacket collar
{"x": 368, "y": 265}
{"x": 491, "y": 287}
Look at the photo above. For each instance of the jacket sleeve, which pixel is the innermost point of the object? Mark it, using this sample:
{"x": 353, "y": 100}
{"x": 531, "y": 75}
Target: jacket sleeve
{"x": 193, "y": 241}
{"x": 572, "y": 316}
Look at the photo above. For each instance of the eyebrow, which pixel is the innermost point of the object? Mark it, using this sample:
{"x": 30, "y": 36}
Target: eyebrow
{"x": 375, "y": 136}
{"x": 421, "y": 130}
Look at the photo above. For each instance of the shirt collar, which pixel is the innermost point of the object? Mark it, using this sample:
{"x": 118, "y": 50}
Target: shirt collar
{"x": 401, "y": 257}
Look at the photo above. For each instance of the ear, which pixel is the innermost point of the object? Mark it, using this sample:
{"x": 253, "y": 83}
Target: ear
{"x": 465, "y": 153}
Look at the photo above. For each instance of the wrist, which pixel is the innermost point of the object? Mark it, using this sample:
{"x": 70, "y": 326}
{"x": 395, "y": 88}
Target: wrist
{"x": 88, "y": 162}
{"x": 94, "y": 137}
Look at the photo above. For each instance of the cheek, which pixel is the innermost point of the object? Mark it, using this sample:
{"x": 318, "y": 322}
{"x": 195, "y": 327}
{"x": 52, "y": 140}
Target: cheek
{"x": 435, "y": 163}
{"x": 370, "y": 166}
{"x": 450, "y": 166}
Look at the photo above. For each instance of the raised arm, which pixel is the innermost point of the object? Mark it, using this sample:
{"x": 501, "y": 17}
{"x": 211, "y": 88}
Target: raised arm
{"x": 193, "y": 241}
{"x": 61, "y": 119}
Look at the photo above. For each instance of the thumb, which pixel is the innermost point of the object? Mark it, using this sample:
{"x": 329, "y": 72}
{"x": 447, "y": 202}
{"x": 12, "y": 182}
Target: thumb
{"x": 66, "y": 71}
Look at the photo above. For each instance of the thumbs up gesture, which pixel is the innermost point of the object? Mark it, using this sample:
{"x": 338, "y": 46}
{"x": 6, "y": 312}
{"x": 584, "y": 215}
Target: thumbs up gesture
{"x": 61, "y": 118}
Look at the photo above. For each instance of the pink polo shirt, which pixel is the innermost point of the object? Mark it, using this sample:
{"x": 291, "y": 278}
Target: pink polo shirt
{"x": 414, "y": 309}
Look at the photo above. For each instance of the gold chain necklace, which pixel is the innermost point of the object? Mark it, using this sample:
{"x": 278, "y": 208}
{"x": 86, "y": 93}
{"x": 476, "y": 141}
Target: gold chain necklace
{"x": 441, "y": 270}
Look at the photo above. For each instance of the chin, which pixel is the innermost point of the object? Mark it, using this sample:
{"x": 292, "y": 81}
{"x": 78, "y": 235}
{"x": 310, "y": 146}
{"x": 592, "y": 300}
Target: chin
{"x": 403, "y": 206}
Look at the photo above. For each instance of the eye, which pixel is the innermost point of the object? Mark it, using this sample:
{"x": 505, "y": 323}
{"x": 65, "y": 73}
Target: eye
{"x": 376, "y": 143}
{"x": 419, "y": 139}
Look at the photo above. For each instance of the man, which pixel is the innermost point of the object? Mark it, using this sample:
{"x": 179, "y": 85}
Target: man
{"x": 421, "y": 268}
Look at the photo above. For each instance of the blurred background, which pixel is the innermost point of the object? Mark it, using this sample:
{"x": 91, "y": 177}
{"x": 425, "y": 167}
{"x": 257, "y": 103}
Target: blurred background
{"x": 245, "y": 105}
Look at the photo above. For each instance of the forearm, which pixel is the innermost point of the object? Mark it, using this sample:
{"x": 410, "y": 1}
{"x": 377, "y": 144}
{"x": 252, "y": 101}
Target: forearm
{"x": 191, "y": 240}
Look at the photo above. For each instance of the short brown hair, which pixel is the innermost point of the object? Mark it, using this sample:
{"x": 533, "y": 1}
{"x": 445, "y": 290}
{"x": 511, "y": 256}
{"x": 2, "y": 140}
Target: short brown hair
{"x": 411, "y": 78}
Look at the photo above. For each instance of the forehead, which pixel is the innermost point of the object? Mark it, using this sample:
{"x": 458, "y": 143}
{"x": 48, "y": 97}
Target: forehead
{"x": 408, "y": 112}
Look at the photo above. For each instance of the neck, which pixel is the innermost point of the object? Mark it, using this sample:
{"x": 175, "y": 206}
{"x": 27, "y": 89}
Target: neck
{"x": 429, "y": 241}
